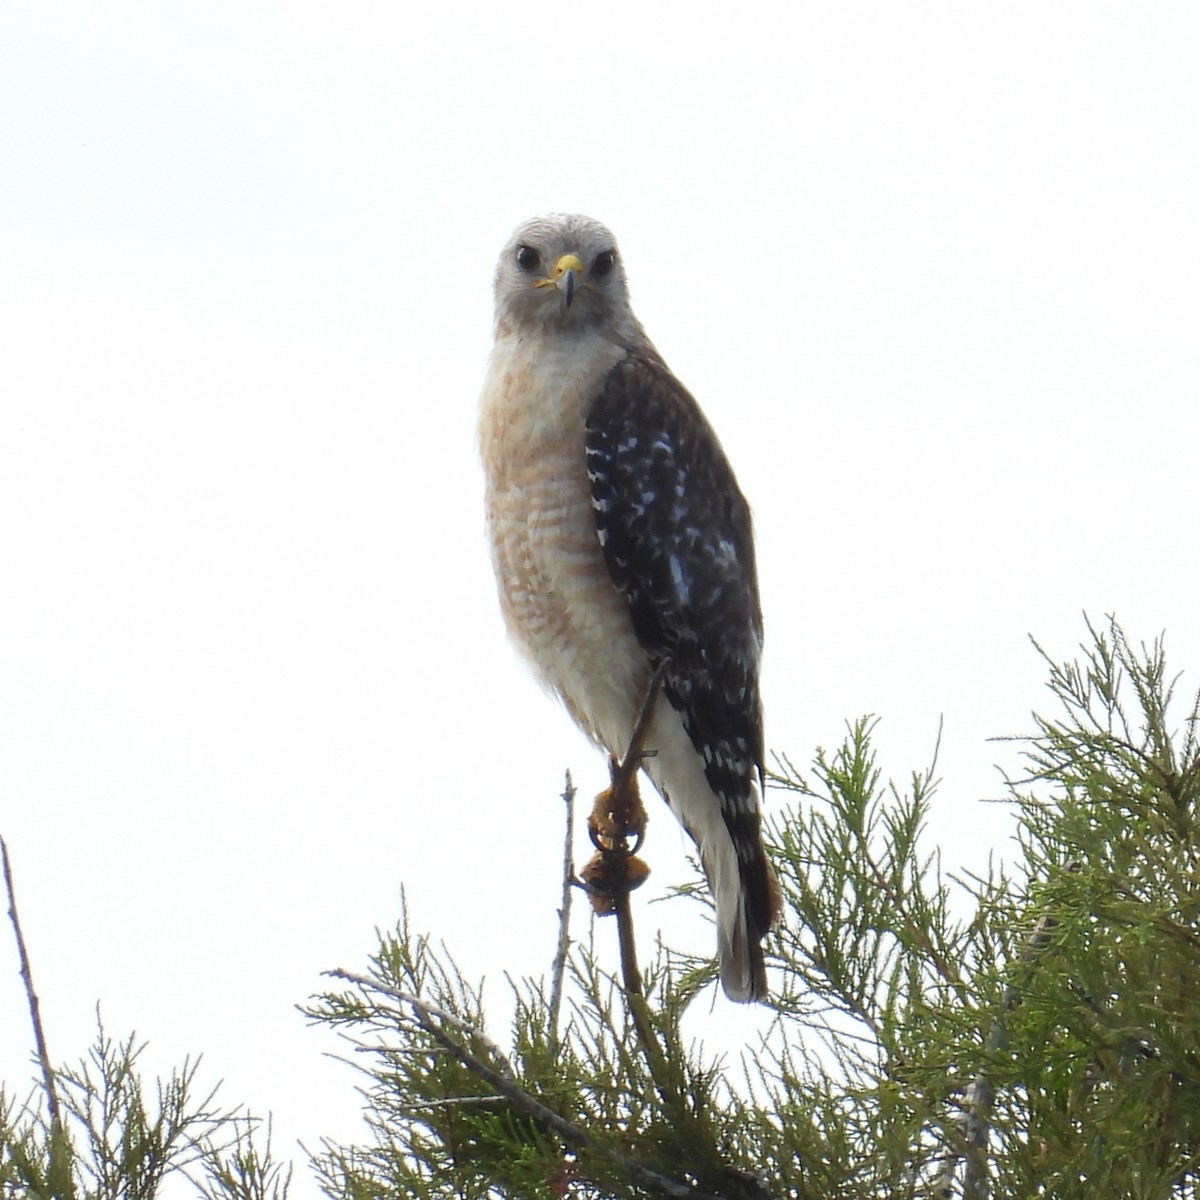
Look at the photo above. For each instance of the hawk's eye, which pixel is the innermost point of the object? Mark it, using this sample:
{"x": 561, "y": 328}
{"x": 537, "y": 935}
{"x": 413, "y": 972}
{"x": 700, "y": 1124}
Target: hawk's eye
{"x": 602, "y": 267}
{"x": 527, "y": 258}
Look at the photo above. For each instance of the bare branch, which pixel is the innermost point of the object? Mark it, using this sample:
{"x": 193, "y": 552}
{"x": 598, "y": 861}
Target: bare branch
{"x": 35, "y": 1013}
{"x": 624, "y": 788}
{"x": 559, "y": 969}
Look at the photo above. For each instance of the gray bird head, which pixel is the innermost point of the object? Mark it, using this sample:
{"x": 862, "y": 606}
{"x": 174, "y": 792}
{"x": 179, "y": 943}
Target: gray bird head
{"x": 563, "y": 272}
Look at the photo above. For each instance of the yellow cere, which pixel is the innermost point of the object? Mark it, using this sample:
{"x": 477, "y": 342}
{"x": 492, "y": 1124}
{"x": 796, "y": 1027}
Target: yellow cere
{"x": 568, "y": 262}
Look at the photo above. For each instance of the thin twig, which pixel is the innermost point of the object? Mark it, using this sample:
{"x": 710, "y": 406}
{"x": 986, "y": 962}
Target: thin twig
{"x": 427, "y": 1009}
{"x": 559, "y": 968}
{"x": 615, "y": 855}
{"x": 414, "y": 1106}
{"x": 624, "y": 785}
{"x": 35, "y": 1014}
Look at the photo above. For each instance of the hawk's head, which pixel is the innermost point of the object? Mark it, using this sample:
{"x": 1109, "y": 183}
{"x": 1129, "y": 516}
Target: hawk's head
{"x": 562, "y": 271}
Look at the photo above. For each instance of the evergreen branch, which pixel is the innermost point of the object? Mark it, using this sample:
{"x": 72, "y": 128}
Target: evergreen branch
{"x": 414, "y": 1106}
{"x": 847, "y": 1001}
{"x": 922, "y": 939}
{"x": 425, "y": 1011}
{"x": 433, "y": 1020}
{"x": 1165, "y": 923}
{"x": 981, "y": 1095}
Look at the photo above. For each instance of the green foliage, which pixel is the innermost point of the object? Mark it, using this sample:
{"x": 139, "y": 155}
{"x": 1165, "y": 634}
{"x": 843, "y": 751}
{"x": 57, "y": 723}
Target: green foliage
{"x": 1097, "y": 1078}
{"x": 1034, "y": 1032}
{"x": 583, "y": 1110}
{"x": 113, "y": 1140}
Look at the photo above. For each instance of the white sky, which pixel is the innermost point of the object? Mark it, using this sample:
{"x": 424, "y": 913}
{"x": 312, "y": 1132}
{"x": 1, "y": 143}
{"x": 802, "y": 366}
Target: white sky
{"x": 933, "y": 270}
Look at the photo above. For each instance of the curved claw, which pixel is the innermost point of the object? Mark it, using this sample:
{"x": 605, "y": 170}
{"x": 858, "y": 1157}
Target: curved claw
{"x": 597, "y": 838}
{"x": 606, "y": 834}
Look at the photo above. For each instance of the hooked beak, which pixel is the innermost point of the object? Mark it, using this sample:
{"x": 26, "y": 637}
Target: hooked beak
{"x": 566, "y": 276}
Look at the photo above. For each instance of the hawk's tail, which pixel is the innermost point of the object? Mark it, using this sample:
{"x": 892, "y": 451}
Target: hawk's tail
{"x": 747, "y": 898}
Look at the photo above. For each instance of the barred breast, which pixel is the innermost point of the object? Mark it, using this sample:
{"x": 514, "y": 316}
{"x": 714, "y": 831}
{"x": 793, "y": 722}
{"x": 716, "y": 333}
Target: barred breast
{"x": 560, "y": 604}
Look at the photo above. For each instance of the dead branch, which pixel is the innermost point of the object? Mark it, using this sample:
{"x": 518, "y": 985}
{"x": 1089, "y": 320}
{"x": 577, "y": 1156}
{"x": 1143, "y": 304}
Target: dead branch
{"x": 559, "y": 967}
{"x": 35, "y": 1013}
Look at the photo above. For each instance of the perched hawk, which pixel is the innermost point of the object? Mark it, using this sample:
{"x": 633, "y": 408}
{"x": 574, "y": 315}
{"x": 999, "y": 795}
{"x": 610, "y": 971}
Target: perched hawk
{"x": 620, "y": 540}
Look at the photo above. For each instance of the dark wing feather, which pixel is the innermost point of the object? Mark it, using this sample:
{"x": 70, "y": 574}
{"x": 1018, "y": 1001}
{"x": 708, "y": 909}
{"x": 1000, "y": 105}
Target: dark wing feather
{"x": 677, "y": 538}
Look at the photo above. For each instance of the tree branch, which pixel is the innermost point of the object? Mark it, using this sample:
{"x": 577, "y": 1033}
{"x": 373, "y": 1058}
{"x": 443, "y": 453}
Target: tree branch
{"x": 35, "y": 1014}
{"x": 425, "y": 1010}
{"x": 975, "y": 1126}
{"x": 626, "y": 801}
{"x": 559, "y": 968}
{"x": 433, "y": 1019}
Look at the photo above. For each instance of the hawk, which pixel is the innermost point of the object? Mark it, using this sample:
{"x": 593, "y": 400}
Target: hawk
{"x": 622, "y": 545}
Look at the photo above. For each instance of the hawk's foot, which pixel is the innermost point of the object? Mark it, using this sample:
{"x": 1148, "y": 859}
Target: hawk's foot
{"x": 618, "y": 814}
{"x": 607, "y": 876}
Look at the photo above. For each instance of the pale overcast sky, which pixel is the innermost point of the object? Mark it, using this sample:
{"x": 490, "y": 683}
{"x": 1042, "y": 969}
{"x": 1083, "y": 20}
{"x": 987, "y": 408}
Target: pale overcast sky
{"x": 932, "y": 269}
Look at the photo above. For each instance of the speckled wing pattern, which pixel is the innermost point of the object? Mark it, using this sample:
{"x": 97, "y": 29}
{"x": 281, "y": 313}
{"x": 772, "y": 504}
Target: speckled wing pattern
{"x": 677, "y": 539}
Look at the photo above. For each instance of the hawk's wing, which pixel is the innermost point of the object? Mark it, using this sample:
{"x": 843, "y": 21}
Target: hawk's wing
{"x": 678, "y": 541}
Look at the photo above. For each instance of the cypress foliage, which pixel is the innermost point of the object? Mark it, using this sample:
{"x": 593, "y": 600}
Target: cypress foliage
{"x": 1035, "y": 1031}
